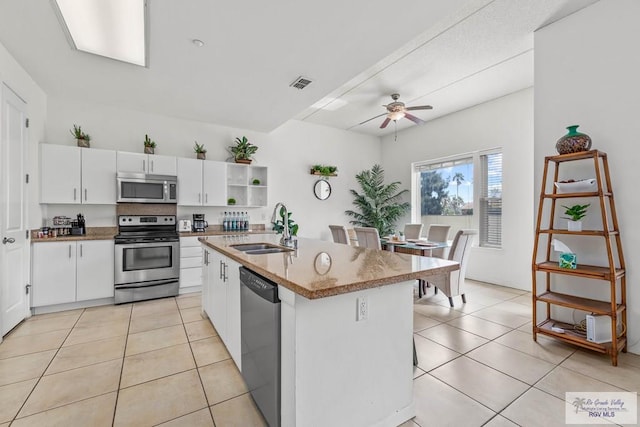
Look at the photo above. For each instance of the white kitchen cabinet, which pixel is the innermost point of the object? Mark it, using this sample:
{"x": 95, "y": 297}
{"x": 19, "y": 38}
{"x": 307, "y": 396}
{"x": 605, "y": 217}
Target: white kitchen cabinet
{"x": 201, "y": 182}
{"x": 54, "y": 273}
{"x": 221, "y": 300}
{"x": 146, "y": 163}
{"x": 247, "y": 184}
{"x": 71, "y": 271}
{"x": 74, "y": 175}
{"x": 190, "y": 264}
{"x": 94, "y": 269}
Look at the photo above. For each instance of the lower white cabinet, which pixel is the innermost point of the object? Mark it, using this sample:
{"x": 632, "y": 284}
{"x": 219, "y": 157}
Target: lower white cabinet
{"x": 221, "y": 299}
{"x": 71, "y": 271}
{"x": 190, "y": 264}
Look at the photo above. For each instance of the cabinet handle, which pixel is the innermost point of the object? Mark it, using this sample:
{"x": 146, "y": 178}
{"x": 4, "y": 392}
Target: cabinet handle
{"x": 151, "y": 161}
{"x": 80, "y": 250}
{"x": 69, "y": 251}
{"x": 206, "y": 197}
{"x": 199, "y": 197}
{"x": 85, "y": 194}
{"x": 226, "y": 277}
{"x": 75, "y": 191}
{"x": 144, "y": 166}
{"x": 221, "y": 267}
{"x": 206, "y": 258}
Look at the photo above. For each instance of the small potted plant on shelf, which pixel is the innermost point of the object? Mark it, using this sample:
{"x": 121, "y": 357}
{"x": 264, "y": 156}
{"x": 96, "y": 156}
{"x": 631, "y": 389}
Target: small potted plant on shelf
{"x": 149, "y": 145}
{"x": 243, "y": 150}
{"x": 201, "y": 152}
{"x": 576, "y": 213}
{"x": 82, "y": 138}
{"x": 256, "y": 181}
{"x": 231, "y": 201}
{"x": 324, "y": 170}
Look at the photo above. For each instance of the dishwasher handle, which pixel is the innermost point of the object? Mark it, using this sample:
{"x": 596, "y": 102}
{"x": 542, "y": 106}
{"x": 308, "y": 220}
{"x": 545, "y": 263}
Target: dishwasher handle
{"x": 264, "y": 288}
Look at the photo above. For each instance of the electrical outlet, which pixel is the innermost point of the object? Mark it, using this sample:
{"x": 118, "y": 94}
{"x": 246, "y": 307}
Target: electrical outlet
{"x": 362, "y": 312}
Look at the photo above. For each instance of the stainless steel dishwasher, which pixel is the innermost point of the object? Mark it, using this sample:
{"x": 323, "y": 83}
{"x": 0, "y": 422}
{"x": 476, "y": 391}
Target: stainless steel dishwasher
{"x": 260, "y": 326}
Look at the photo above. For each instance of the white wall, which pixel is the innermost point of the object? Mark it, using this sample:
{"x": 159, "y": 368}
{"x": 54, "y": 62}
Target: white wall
{"x": 288, "y": 151}
{"x": 14, "y": 76}
{"x": 505, "y": 122}
{"x": 587, "y": 72}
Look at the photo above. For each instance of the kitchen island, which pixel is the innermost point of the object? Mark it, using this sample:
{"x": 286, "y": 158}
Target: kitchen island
{"x": 346, "y": 325}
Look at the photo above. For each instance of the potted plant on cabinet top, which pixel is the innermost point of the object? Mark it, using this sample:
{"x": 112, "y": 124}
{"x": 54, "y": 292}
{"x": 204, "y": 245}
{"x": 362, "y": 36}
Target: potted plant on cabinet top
{"x": 81, "y": 137}
{"x": 201, "y": 152}
{"x": 243, "y": 150}
{"x": 149, "y": 145}
{"x": 324, "y": 170}
{"x": 576, "y": 213}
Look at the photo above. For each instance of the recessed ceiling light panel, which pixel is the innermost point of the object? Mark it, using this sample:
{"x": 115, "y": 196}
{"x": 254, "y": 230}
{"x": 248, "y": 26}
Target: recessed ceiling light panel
{"x": 115, "y": 28}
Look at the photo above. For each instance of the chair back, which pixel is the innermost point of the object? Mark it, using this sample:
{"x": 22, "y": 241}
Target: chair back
{"x": 368, "y": 237}
{"x": 438, "y": 233}
{"x": 339, "y": 233}
{"x": 412, "y": 231}
{"x": 460, "y": 249}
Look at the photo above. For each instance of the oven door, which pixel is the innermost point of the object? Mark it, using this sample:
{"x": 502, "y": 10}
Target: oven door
{"x": 146, "y": 262}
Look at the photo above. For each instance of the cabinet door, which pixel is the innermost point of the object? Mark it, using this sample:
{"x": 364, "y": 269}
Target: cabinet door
{"x": 218, "y": 293}
{"x": 190, "y": 182}
{"x": 232, "y": 338}
{"x": 161, "y": 165}
{"x": 98, "y": 176}
{"x": 59, "y": 174}
{"x": 132, "y": 162}
{"x": 214, "y": 183}
{"x": 94, "y": 266}
{"x": 54, "y": 273}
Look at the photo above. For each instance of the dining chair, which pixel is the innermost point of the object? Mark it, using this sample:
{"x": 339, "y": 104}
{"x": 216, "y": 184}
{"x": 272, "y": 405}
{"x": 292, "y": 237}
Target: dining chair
{"x": 368, "y": 237}
{"x": 438, "y": 233}
{"x": 412, "y": 231}
{"x": 452, "y": 285}
{"x": 339, "y": 233}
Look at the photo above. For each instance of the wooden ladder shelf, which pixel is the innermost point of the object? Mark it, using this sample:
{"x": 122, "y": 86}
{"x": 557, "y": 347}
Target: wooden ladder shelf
{"x": 611, "y": 270}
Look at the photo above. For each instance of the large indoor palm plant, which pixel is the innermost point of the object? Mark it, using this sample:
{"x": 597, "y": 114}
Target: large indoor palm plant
{"x": 380, "y": 204}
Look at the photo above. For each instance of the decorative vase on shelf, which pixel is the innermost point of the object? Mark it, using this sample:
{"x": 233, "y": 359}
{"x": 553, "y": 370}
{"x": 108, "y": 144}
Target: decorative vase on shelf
{"x": 574, "y": 225}
{"x": 148, "y": 150}
{"x": 573, "y": 142}
{"x": 82, "y": 142}
{"x": 201, "y": 156}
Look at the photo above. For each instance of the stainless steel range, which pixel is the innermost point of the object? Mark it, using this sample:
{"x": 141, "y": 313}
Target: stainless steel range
{"x": 147, "y": 257}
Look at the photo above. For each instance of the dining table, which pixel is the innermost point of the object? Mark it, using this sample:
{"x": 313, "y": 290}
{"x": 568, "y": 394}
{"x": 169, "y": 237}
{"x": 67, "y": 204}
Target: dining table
{"x": 420, "y": 247}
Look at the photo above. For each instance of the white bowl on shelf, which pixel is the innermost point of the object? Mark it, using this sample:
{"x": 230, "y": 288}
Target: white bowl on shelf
{"x": 582, "y": 186}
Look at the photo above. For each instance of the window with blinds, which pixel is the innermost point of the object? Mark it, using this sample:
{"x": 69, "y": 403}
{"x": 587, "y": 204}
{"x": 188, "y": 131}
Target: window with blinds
{"x": 490, "y": 219}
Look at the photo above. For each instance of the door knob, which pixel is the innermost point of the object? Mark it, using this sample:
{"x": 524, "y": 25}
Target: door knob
{"x": 9, "y": 240}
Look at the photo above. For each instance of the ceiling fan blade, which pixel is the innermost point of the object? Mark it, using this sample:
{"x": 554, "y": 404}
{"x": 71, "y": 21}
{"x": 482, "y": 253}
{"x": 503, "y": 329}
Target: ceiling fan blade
{"x": 368, "y": 120}
{"x": 419, "y": 107}
{"x": 414, "y": 119}
{"x": 385, "y": 123}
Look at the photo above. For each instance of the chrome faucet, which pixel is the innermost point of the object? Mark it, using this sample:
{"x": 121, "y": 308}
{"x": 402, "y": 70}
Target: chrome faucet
{"x": 286, "y": 239}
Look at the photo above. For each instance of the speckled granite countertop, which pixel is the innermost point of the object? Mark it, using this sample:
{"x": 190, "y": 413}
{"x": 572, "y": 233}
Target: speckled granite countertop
{"x": 215, "y": 232}
{"x": 319, "y": 269}
{"x": 93, "y": 233}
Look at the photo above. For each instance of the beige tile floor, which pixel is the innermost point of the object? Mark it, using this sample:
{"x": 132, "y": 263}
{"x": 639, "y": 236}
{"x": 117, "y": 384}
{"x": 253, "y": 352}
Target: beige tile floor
{"x": 160, "y": 363}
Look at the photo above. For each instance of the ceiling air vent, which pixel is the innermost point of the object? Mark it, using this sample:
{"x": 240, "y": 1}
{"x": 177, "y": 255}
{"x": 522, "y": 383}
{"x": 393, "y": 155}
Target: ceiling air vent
{"x": 300, "y": 83}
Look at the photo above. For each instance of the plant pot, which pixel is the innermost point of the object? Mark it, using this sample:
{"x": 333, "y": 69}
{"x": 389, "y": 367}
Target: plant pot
{"x": 148, "y": 150}
{"x": 574, "y": 225}
{"x": 83, "y": 143}
{"x": 201, "y": 156}
{"x": 244, "y": 161}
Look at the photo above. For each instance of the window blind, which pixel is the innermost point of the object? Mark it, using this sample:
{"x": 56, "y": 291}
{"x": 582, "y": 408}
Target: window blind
{"x": 491, "y": 200}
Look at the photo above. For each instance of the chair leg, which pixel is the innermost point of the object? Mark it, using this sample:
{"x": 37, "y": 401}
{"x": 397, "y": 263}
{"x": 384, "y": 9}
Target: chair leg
{"x": 419, "y": 288}
{"x": 435, "y": 290}
{"x": 415, "y": 353}
{"x": 464, "y": 299}
{"x": 451, "y": 301}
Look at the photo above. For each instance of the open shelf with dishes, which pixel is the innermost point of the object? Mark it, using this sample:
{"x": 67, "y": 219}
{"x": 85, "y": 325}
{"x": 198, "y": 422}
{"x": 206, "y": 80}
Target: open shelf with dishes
{"x": 549, "y": 292}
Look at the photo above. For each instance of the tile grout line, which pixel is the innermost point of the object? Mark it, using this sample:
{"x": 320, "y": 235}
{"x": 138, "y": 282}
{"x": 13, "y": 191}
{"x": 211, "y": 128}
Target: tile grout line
{"x": 124, "y": 352}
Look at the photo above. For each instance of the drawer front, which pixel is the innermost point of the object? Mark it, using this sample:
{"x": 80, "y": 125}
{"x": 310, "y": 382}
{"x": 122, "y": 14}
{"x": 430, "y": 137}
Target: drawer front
{"x": 189, "y": 241}
{"x": 189, "y": 252}
{"x": 190, "y": 277}
{"x": 191, "y": 262}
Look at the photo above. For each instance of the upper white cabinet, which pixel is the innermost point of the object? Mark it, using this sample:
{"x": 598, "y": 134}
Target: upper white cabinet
{"x": 146, "y": 163}
{"x": 71, "y": 174}
{"x": 201, "y": 182}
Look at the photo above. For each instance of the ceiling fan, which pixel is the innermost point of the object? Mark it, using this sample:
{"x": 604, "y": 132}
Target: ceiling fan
{"x": 396, "y": 110}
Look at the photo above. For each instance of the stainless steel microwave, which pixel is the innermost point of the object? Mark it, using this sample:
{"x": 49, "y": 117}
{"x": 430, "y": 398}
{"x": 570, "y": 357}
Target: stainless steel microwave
{"x": 146, "y": 188}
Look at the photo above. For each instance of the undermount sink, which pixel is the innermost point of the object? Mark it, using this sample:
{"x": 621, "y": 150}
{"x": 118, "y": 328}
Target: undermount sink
{"x": 260, "y": 248}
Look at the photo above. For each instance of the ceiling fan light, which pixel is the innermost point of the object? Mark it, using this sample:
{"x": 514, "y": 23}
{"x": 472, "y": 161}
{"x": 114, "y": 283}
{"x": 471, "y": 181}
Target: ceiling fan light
{"x": 396, "y": 115}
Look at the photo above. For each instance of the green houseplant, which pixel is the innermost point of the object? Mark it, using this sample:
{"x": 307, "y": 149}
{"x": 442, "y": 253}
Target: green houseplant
{"x": 243, "y": 150}
{"x": 379, "y": 205}
{"x": 231, "y": 201}
{"x": 149, "y": 145}
{"x": 575, "y": 214}
{"x": 82, "y": 138}
{"x": 278, "y": 226}
{"x": 324, "y": 170}
{"x": 201, "y": 152}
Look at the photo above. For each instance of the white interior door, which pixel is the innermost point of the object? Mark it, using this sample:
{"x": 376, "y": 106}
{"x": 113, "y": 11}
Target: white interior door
{"x": 14, "y": 250}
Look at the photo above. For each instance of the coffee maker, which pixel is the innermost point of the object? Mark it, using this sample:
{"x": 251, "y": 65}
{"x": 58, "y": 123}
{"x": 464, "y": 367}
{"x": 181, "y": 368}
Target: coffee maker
{"x": 198, "y": 223}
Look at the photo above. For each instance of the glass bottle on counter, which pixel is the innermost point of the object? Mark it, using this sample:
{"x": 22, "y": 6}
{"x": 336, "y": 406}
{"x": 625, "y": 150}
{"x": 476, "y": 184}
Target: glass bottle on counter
{"x": 225, "y": 222}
